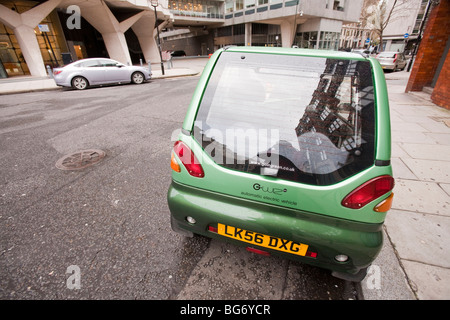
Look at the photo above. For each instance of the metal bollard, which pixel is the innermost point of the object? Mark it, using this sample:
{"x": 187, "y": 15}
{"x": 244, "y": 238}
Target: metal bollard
{"x": 49, "y": 71}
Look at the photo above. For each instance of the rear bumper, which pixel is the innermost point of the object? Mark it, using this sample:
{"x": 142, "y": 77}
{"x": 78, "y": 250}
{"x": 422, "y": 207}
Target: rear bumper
{"x": 387, "y": 66}
{"x": 327, "y": 236}
{"x": 61, "y": 82}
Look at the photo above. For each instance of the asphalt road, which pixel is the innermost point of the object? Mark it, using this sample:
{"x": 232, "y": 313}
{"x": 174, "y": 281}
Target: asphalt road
{"x": 103, "y": 232}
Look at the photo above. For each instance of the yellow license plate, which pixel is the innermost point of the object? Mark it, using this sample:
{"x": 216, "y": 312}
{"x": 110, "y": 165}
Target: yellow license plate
{"x": 262, "y": 240}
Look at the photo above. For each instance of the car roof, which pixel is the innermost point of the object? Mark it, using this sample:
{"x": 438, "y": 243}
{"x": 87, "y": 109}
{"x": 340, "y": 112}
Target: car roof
{"x": 86, "y": 59}
{"x": 297, "y": 51}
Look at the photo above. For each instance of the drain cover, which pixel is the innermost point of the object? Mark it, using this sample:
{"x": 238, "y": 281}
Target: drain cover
{"x": 80, "y": 159}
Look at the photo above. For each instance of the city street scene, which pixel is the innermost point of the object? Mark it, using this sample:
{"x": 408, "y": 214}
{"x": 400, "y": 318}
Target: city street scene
{"x": 90, "y": 111}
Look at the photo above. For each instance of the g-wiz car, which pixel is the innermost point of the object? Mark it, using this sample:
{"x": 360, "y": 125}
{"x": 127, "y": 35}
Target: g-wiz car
{"x": 287, "y": 152}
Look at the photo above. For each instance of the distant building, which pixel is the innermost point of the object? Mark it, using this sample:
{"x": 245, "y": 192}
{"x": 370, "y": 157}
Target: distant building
{"x": 403, "y": 28}
{"x": 400, "y": 34}
{"x": 203, "y": 26}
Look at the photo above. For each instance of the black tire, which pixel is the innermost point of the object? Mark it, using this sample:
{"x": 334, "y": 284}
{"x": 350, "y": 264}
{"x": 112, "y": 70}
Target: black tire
{"x": 80, "y": 83}
{"x": 137, "y": 77}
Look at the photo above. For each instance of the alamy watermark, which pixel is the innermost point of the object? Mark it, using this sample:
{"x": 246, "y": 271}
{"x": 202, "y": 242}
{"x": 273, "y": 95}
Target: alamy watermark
{"x": 236, "y": 145}
{"x": 74, "y": 21}
{"x": 373, "y": 278}
{"x": 74, "y": 280}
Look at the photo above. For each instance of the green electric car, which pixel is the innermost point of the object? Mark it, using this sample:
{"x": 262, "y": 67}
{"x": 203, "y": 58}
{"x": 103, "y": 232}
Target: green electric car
{"x": 287, "y": 152}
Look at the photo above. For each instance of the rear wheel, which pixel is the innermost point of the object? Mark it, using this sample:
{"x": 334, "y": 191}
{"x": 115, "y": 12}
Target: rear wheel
{"x": 137, "y": 77}
{"x": 79, "y": 83}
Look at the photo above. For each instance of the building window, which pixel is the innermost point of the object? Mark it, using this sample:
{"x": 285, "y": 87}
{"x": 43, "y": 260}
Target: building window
{"x": 250, "y": 3}
{"x": 229, "y": 6}
{"x": 338, "y": 5}
{"x": 239, "y": 4}
{"x": 198, "y": 8}
{"x": 10, "y": 52}
{"x": 329, "y": 40}
{"x": 306, "y": 39}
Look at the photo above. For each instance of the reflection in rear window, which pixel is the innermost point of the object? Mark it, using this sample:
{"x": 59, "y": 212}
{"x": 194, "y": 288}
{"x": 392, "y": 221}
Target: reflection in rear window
{"x": 303, "y": 119}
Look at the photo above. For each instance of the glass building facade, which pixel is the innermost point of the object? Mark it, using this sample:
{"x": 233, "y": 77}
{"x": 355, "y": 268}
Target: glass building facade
{"x": 48, "y": 35}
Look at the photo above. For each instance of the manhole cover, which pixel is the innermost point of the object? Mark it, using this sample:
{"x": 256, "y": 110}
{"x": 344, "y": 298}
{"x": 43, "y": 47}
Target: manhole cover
{"x": 80, "y": 159}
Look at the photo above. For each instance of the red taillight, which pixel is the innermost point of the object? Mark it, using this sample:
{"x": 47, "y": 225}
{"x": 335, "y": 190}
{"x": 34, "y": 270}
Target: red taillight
{"x": 261, "y": 252}
{"x": 56, "y": 72}
{"x": 188, "y": 159}
{"x": 368, "y": 192}
{"x": 395, "y": 57}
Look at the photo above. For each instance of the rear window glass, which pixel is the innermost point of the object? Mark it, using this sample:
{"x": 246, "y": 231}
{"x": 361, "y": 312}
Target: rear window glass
{"x": 304, "y": 119}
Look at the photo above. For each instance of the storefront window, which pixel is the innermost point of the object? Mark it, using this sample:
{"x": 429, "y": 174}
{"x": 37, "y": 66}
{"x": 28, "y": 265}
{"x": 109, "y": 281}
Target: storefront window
{"x": 329, "y": 40}
{"x": 306, "y": 39}
{"x": 10, "y": 52}
{"x": 199, "y": 8}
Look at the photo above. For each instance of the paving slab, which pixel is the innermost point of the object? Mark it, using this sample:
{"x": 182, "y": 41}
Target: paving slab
{"x": 427, "y": 152}
{"x": 420, "y": 237}
{"x": 420, "y": 196}
{"x": 429, "y": 170}
{"x": 386, "y": 279}
{"x": 430, "y": 282}
{"x": 401, "y": 170}
{"x": 439, "y": 138}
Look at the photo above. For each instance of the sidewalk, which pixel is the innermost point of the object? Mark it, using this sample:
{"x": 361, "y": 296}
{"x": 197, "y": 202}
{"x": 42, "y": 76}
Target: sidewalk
{"x": 415, "y": 260}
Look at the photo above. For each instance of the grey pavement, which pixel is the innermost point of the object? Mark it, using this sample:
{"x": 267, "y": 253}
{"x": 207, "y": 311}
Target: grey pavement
{"x": 415, "y": 261}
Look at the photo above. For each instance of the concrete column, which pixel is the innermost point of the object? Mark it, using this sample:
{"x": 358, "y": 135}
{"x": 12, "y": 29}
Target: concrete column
{"x": 248, "y": 34}
{"x": 23, "y": 26}
{"x": 146, "y": 32}
{"x": 287, "y": 33}
{"x": 101, "y": 18}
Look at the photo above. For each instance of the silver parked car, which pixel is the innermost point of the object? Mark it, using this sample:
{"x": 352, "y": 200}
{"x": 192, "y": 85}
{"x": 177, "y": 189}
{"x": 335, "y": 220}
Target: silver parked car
{"x": 97, "y": 71}
{"x": 392, "y": 60}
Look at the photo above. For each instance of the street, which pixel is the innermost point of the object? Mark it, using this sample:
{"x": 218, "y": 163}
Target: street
{"x": 103, "y": 232}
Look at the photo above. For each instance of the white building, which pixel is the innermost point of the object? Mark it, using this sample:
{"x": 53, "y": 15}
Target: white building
{"x": 400, "y": 34}
{"x": 304, "y": 23}
{"x": 403, "y": 28}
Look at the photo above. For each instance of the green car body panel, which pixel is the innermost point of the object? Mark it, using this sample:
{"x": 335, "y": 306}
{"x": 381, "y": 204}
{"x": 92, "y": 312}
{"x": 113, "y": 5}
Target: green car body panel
{"x": 307, "y": 213}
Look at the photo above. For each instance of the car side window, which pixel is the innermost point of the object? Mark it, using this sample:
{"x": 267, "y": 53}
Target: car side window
{"x": 108, "y": 63}
{"x": 89, "y": 64}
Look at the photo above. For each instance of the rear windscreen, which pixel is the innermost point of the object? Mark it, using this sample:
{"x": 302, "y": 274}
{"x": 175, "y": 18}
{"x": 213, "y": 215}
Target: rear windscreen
{"x": 304, "y": 119}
